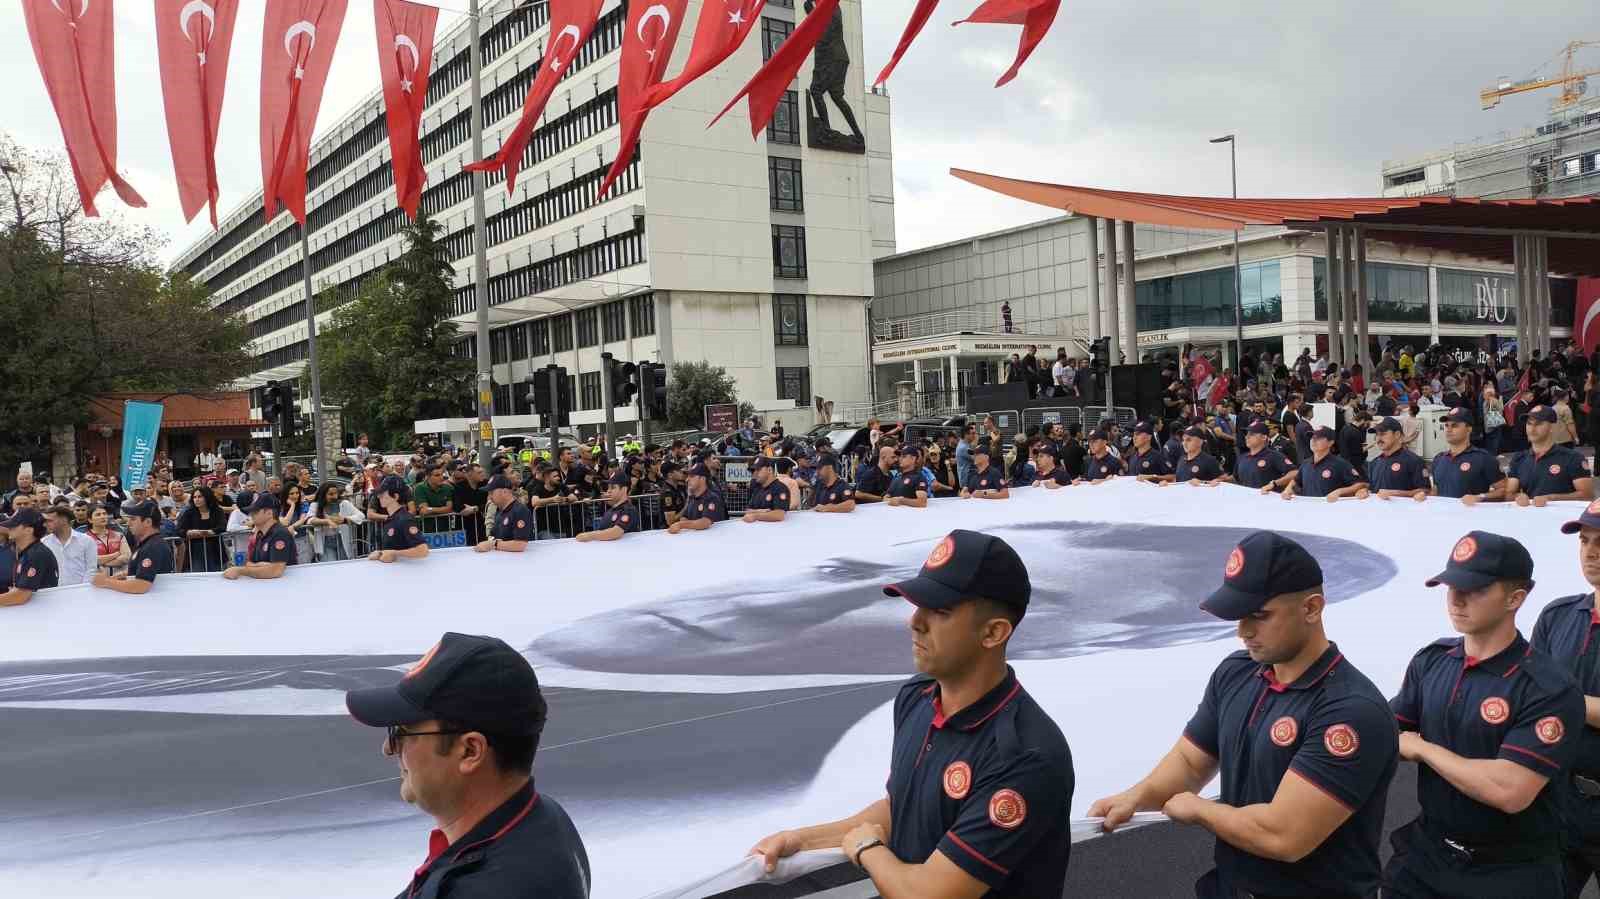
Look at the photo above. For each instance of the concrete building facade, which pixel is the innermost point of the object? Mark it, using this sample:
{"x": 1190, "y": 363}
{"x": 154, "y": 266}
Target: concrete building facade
{"x": 1560, "y": 158}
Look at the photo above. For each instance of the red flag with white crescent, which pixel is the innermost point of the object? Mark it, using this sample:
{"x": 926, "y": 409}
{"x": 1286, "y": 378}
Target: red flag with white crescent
{"x": 1035, "y": 17}
{"x": 296, "y": 55}
{"x": 766, "y": 87}
{"x": 405, "y": 53}
{"x": 571, "y": 23}
{"x": 919, "y": 18}
{"x": 73, "y": 43}
{"x": 647, "y": 46}
{"x": 1587, "y": 333}
{"x": 193, "y": 38}
{"x": 721, "y": 29}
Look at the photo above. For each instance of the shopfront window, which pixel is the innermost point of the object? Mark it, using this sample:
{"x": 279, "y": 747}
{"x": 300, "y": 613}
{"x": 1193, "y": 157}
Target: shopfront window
{"x": 1477, "y": 298}
{"x": 1395, "y": 293}
{"x": 1202, "y": 299}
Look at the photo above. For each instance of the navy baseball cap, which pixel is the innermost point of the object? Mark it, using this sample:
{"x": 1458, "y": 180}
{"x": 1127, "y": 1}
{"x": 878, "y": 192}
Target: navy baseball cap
{"x": 24, "y": 518}
{"x": 1263, "y": 565}
{"x": 698, "y": 471}
{"x": 981, "y": 448}
{"x": 1098, "y": 434}
{"x": 1589, "y": 519}
{"x": 620, "y": 479}
{"x": 966, "y": 564}
{"x": 1459, "y": 415}
{"x": 499, "y": 482}
{"x": 478, "y": 682}
{"x": 1389, "y": 424}
{"x": 761, "y": 462}
{"x": 263, "y": 502}
{"x": 1326, "y": 433}
{"x": 1195, "y": 431}
{"x": 395, "y": 486}
{"x": 146, "y": 509}
{"x": 1045, "y": 449}
{"x": 1144, "y": 427}
{"x": 1481, "y": 558}
{"x": 1542, "y": 413}
{"x": 828, "y": 460}
{"x": 910, "y": 449}
{"x": 1257, "y": 427}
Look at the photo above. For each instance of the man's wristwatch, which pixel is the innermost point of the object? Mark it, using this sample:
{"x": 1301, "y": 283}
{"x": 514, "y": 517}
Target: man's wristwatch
{"x": 863, "y": 847}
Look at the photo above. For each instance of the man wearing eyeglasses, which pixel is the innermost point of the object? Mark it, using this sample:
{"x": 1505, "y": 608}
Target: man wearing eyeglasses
{"x": 464, "y": 725}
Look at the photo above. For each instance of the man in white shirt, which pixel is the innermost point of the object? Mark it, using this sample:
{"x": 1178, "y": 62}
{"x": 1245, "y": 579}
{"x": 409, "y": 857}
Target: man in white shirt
{"x": 208, "y": 460}
{"x": 1063, "y": 374}
{"x": 76, "y": 555}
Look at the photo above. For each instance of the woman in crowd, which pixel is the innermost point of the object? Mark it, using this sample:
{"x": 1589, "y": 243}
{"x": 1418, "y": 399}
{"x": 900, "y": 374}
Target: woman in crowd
{"x": 111, "y": 547}
{"x": 329, "y": 511}
{"x": 292, "y": 506}
{"x": 115, "y": 496}
{"x": 1493, "y": 417}
{"x": 946, "y": 480}
{"x": 201, "y": 522}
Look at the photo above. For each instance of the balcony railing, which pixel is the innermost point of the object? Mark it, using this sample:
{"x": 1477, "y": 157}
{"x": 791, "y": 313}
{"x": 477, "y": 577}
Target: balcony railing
{"x": 965, "y": 321}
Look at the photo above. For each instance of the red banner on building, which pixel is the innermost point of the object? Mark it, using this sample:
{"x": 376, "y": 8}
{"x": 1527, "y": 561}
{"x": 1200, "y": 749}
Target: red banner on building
{"x": 1587, "y": 315}
{"x": 296, "y": 56}
{"x": 405, "y": 53}
{"x": 193, "y": 40}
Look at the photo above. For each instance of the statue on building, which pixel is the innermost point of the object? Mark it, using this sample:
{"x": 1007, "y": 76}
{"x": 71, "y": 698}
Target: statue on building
{"x": 831, "y": 67}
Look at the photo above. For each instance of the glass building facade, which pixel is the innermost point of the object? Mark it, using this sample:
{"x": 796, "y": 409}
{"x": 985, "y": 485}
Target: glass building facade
{"x": 1399, "y": 293}
{"x": 1395, "y": 293}
{"x": 1205, "y": 299}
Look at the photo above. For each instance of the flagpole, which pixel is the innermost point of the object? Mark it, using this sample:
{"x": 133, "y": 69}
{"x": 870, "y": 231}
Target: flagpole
{"x": 311, "y": 340}
{"x": 480, "y": 262}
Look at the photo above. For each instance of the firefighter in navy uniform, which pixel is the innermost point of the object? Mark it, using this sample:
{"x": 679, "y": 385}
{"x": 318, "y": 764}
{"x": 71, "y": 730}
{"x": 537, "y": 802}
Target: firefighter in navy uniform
{"x": 1147, "y": 462}
{"x": 35, "y": 567}
{"x": 152, "y": 556}
{"x": 1260, "y": 466}
{"x": 399, "y": 535}
{"x": 1494, "y": 726}
{"x": 621, "y": 517}
{"x": 1304, "y": 741}
{"x": 1396, "y": 471}
{"x": 272, "y": 548}
{"x": 986, "y": 481}
{"x": 1196, "y": 467}
{"x": 703, "y": 506}
{"x": 980, "y": 779}
{"x": 910, "y": 487}
{"x": 513, "y": 528}
{"x": 769, "y": 497}
{"x": 1323, "y": 474}
{"x": 1568, "y": 631}
{"x": 464, "y": 726}
{"x": 1547, "y": 471}
{"x": 1048, "y": 472}
{"x": 833, "y": 493}
{"x": 1099, "y": 465}
{"x": 1466, "y": 472}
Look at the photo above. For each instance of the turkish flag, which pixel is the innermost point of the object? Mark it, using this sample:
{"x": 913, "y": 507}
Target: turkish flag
{"x": 571, "y": 22}
{"x": 405, "y": 53}
{"x": 919, "y": 18}
{"x": 1587, "y": 315}
{"x": 1035, "y": 17}
{"x": 296, "y": 53}
{"x": 72, "y": 42}
{"x": 722, "y": 27}
{"x": 1199, "y": 370}
{"x": 647, "y": 47}
{"x": 765, "y": 88}
{"x": 193, "y": 40}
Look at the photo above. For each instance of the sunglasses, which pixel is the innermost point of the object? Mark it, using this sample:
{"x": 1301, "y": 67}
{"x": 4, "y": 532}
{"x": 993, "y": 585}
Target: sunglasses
{"x": 396, "y": 733}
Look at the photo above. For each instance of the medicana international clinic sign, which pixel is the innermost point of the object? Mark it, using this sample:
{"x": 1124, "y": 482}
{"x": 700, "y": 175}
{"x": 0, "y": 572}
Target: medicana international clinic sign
{"x": 141, "y": 425}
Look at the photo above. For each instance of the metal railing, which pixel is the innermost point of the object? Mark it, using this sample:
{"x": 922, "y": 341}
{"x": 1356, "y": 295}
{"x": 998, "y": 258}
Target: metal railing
{"x": 965, "y": 321}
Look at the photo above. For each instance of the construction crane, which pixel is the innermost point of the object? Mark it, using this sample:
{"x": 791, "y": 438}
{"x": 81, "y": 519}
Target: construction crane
{"x": 1571, "y": 81}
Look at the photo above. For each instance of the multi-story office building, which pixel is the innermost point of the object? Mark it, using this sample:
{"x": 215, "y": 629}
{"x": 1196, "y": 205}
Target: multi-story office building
{"x": 938, "y": 317}
{"x": 1560, "y": 158}
{"x": 755, "y": 255}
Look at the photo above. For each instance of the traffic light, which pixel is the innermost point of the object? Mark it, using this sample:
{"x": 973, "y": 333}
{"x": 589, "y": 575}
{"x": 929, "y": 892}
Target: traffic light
{"x": 1100, "y": 353}
{"x": 290, "y": 416}
{"x": 653, "y": 386}
{"x": 538, "y": 382}
{"x": 624, "y": 383}
{"x": 558, "y": 375}
{"x": 272, "y": 402}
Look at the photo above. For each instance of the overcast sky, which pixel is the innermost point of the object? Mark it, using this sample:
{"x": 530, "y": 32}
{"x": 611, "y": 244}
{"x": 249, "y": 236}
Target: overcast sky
{"x": 1123, "y": 94}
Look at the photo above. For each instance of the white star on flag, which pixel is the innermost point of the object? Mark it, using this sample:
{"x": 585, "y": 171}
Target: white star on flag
{"x": 736, "y": 18}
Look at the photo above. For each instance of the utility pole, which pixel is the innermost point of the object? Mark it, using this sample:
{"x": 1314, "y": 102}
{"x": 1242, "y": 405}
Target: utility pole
{"x": 1238, "y": 282}
{"x": 480, "y": 251}
{"x": 316, "y": 377}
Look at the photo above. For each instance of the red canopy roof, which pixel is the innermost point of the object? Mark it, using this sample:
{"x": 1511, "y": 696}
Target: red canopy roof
{"x": 1469, "y": 226}
{"x": 229, "y": 409}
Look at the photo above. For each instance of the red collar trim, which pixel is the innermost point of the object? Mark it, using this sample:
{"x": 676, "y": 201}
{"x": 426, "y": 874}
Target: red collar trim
{"x": 940, "y": 719}
{"x": 1276, "y": 686}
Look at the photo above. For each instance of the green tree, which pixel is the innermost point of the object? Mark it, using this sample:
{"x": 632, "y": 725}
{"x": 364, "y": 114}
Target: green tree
{"x": 387, "y": 357}
{"x": 694, "y": 386}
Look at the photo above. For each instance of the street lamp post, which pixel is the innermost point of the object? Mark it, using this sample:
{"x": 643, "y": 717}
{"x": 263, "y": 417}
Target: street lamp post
{"x": 1238, "y": 283}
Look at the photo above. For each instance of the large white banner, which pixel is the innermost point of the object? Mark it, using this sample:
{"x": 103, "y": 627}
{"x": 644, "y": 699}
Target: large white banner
{"x": 705, "y": 688}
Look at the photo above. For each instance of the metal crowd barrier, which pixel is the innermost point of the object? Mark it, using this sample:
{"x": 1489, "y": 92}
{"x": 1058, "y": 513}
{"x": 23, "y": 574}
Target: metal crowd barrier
{"x": 312, "y": 545}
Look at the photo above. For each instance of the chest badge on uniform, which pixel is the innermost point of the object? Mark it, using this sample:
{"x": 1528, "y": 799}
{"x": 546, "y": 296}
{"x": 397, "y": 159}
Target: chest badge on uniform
{"x": 1007, "y": 810}
{"x": 278, "y": 545}
{"x": 1341, "y": 740}
{"x": 1465, "y": 549}
{"x": 1494, "y": 710}
{"x": 1394, "y": 466}
{"x": 147, "y": 563}
{"x": 1555, "y": 468}
{"x": 1261, "y": 463}
{"x": 1327, "y": 472}
{"x": 391, "y": 532}
{"x": 958, "y": 780}
{"x": 1466, "y": 466}
{"x": 1550, "y": 730}
{"x": 1284, "y": 730}
{"x": 33, "y": 572}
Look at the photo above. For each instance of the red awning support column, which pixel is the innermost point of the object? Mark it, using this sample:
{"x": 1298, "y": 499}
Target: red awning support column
{"x": 1113, "y": 307}
{"x": 1363, "y": 336}
{"x": 1331, "y": 290}
{"x": 1130, "y": 310}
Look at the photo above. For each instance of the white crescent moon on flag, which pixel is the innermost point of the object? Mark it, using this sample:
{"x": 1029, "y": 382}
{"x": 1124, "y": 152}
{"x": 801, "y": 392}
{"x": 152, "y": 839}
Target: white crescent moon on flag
{"x": 555, "y": 45}
{"x": 81, "y": 13}
{"x": 192, "y": 8}
{"x": 300, "y": 27}
{"x": 656, "y": 11}
{"x": 401, "y": 40}
{"x": 1588, "y": 319}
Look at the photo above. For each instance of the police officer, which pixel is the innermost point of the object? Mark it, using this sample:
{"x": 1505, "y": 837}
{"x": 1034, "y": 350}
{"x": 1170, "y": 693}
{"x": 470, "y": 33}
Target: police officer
{"x": 1047, "y": 469}
{"x": 1305, "y": 743}
{"x": 987, "y": 481}
{"x": 670, "y": 487}
{"x": 1197, "y": 467}
{"x": 272, "y": 548}
{"x": 1300, "y": 428}
{"x": 1323, "y": 473}
{"x": 1566, "y": 632}
{"x": 35, "y": 568}
{"x": 1466, "y": 472}
{"x": 513, "y": 520}
{"x": 1396, "y": 471}
{"x": 399, "y": 535}
{"x": 1493, "y": 725}
{"x": 151, "y": 554}
{"x": 1147, "y": 462}
{"x": 980, "y": 779}
{"x": 1099, "y": 465}
{"x": 833, "y": 493}
{"x": 769, "y": 497}
{"x": 1546, "y": 471}
{"x": 1260, "y": 466}
{"x": 910, "y": 486}
{"x": 702, "y": 507}
{"x": 1353, "y": 438}
{"x": 621, "y": 516}
{"x": 464, "y": 725}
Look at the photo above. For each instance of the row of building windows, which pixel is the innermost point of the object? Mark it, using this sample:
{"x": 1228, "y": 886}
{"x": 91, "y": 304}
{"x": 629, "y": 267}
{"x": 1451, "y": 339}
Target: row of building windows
{"x": 528, "y": 339}
{"x": 606, "y": 255}
{"x": 1205, "y": 299}
{"x": 1399, "y": 294}
{"x": 785, "y": 125}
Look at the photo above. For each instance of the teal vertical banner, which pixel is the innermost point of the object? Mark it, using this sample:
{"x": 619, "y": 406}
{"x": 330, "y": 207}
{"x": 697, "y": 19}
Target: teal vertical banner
{"x": 141, "y": 422}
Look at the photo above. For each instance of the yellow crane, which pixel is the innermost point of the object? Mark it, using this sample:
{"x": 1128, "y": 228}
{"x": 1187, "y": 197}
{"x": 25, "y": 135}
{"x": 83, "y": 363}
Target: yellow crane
{"x": 1571, "y": 81}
